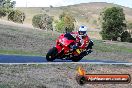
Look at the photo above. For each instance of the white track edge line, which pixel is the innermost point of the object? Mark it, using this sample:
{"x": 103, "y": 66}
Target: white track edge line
{"x": 66, "y": 63}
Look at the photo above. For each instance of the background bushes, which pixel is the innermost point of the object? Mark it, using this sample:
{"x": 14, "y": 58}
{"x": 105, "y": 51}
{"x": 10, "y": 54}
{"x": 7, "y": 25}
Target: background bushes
{"x": 2, "y": 12}
{"x": 16, "y": 16}
{"x": 113, "y": 23}
{"x": 126, "y": 37}
{"x": 42, "y": 21}
{"x": 65, "y": 23}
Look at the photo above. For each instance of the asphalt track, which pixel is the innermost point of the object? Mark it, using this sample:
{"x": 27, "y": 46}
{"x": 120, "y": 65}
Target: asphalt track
{"x": 17, "y": 59}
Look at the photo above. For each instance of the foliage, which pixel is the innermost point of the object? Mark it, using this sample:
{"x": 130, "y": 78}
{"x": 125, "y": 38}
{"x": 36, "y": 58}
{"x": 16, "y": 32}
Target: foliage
{"x": 130, "y": 40}
{"x": 113, "y": 23}
{"x": 62, "y": 15}
{"x": 129, "y": 25}
{"x": 60, "y": 26}
{"x": 7, "y": 3}
{"x": 125, "y": 37}
{"x": 5, "y": 7}
{"x": 66, "y": 23}
{"x": 1, "y": 3}
{"x": 16, "y": 16}
{"x": 2, "y": 12}
{"x": 42, "y": 21}
{"x": 51, "y": 6}
{"x": 69, "y": 23}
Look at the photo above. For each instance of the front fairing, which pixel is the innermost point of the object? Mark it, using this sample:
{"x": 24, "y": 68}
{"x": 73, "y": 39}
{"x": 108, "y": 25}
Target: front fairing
{"x": 63, "y": 43}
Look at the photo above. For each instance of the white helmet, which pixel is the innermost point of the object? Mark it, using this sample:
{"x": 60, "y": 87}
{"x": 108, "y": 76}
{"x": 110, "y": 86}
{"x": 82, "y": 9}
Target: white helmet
{"x": 82, "y": 30}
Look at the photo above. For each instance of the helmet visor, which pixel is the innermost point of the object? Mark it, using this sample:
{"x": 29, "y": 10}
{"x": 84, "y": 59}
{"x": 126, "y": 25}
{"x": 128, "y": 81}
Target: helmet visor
{"x": 82, "y": 32}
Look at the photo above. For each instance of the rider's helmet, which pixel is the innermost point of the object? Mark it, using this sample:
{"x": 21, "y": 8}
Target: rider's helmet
{"x": 82, "y": 31}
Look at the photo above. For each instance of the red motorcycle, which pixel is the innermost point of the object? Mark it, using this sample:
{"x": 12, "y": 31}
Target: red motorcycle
{"x": 65, "y": 49}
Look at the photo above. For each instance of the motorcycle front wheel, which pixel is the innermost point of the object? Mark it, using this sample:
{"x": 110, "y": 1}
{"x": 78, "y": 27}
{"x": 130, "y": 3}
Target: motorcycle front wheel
{"x": 51, "y": 55}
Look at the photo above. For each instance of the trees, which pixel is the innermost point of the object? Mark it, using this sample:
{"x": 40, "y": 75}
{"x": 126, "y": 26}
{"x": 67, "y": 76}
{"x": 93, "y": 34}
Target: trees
{"x": 69, "y": 23}
{"x": 6, "y": 7}
{"x": 60, "y": 26}
{"x": 51, "y": 6}
{"x": 113, "y": 23}
{"x": 42, "y": 21}
{"x": 65, "y": 23}
{"x": 2, "y": 12}
{"x": 13, "y": 15}
{"x": 129, "y": 27}
{"x": 7, "y": 3}
{"x": 16, "y": 16}
{"x": 1, "y": 3}
{"x": 125, "y": 36}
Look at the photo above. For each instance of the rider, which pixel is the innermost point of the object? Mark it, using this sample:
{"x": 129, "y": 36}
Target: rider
{"x": 82, "y": 40}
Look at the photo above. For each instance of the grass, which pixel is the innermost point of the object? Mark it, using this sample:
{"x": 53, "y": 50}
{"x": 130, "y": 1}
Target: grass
{"x": 18, "y": 52}
{"x": 4, "y": 86}
{"x": 103, "y": 47}
{"x": 43, "y": 40}
{"x": 43, "y": 76}
{"x": 99, "y": 46}
{"x": 94, "y": 35}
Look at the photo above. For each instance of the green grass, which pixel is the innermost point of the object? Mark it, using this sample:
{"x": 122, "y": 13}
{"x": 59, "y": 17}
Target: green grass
{"x": 100, "y": 46}
{"x": 19, "y": 52}
{"x": 4, "y": 86}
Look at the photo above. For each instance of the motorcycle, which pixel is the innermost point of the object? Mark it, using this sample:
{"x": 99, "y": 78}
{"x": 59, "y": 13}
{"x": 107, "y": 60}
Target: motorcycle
{"x": 65, "y": 49}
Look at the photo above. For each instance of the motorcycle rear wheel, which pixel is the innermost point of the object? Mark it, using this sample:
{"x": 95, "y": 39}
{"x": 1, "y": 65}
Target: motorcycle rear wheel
{"x": 51, "y": 55}
{"x": 76, "y": 58}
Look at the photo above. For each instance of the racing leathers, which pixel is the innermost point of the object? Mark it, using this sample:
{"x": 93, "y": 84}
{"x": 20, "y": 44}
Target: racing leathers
{"x": 81, "y": 41}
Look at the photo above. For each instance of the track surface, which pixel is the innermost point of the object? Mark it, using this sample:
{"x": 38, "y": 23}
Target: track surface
{"x": 5, "y": 59}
